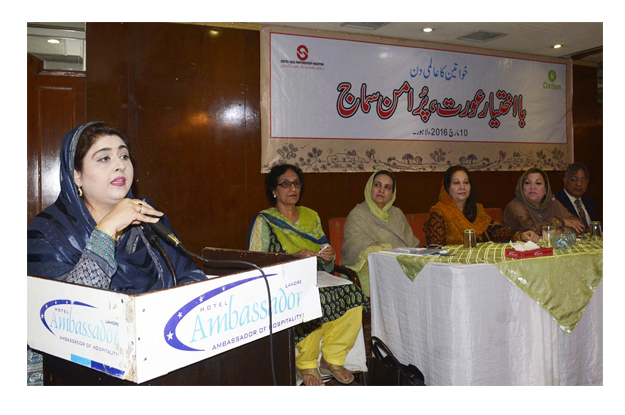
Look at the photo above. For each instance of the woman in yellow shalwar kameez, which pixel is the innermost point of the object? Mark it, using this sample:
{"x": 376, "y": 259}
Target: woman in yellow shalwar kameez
{"x": 287, "y": 228}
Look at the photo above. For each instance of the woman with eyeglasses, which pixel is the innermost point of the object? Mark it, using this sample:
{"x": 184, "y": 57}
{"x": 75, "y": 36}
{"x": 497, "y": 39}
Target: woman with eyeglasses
{"x": 292, "y": 229}
{"x": 535, "y": 206}
{"x": 457, "y": 210}
{"x": 374, "y": 225}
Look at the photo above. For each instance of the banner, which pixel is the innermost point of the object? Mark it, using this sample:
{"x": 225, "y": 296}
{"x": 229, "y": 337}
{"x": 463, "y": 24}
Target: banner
{"x": 340, "y": 103}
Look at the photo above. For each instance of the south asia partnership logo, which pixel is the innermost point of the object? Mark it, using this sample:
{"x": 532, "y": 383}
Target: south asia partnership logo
{"x": 552, "y": 76}
{"x": 302, "y": 55}
{"x": 302, "y": 52}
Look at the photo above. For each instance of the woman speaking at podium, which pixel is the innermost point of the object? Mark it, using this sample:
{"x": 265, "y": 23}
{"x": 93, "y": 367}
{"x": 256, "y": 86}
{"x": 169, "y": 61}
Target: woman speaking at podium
{"x": 91, "y": 234}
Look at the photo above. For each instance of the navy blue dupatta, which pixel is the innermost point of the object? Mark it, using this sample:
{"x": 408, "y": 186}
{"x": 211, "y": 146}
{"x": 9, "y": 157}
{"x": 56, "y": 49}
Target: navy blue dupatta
{"x": 58, "y": 235}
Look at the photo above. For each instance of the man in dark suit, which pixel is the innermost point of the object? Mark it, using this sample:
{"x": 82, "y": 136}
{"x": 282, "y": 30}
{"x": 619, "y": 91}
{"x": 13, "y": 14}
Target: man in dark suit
{"x": 572, "y": 196}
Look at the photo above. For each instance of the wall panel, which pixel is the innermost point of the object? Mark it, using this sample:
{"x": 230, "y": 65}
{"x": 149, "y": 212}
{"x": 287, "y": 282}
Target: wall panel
{"x": 56, "y": 104}
{"x": 33, "y": 141}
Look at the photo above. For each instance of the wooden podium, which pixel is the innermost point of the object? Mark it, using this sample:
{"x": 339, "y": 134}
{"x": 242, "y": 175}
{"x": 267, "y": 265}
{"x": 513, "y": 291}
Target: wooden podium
{"x": 213, "y": 332}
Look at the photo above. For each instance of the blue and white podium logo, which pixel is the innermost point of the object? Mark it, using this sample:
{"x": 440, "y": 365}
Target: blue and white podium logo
{"x": 80, "y": 324}
{"x": 220, "y": 318}
{"x": 72, "y": 321}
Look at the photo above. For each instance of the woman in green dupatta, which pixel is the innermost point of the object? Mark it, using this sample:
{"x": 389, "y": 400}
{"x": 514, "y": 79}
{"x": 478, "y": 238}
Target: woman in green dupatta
{"x": 288, "y": 228}
{"x": 374, "y": 225}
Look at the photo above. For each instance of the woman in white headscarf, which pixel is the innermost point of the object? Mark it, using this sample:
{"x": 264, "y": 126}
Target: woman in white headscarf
{"x": 374, "y": 225}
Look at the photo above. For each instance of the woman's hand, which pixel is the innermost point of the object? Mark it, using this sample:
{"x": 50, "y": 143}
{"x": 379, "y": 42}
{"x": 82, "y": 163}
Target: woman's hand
{"x": 575, "y": 224}
{"x": 128, "y": 212}
{"x": 306, "y": 252}
{"x": 327, "y": 254}
{"x": 529, "y": 236}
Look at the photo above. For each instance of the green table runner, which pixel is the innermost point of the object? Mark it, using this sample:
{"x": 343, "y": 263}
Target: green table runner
{"x": 562, "y": 284}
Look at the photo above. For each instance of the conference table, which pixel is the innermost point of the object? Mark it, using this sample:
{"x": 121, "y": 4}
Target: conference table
{"x": 480, "y": 318}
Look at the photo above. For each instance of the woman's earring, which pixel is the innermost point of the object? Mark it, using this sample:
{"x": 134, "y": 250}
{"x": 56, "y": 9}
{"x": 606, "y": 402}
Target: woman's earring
{"x": 79, "y": 191}
{"x": 274, "y": 195}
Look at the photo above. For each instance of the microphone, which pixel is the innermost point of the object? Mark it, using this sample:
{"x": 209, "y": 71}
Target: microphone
{"x": 165, "y": 234}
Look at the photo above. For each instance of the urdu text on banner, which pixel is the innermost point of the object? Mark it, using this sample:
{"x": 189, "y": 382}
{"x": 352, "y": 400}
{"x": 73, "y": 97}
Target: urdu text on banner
{"x": 332, "y": 103}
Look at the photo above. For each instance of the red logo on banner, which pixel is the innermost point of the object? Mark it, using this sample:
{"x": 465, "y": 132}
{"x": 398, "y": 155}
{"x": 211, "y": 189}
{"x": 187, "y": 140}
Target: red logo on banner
{"x": 302, "y": 52}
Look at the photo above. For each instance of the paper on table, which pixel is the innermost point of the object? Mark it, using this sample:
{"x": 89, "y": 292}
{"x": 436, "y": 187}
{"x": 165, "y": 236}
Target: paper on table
{"x": 416, "y": 251}
{"x": 525, "y": 246}
{"x": 328, "y": 280}
{"x": 408, "y": 250}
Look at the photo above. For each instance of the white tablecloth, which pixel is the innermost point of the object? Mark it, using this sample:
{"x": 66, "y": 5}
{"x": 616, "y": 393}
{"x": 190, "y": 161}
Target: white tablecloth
{"x": 469, "y": 325}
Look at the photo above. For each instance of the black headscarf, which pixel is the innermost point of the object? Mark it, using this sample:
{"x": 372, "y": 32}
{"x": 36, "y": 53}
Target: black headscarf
{"x": 58, "y": 235}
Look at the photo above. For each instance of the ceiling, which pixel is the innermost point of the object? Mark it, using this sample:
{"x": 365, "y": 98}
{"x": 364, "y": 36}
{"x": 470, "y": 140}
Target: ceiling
{"x": 69, "y": 51}
{"x": 582, "y": 41}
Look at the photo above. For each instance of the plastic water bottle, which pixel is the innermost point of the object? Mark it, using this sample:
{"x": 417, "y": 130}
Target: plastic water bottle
{"x": 565, "y": 240}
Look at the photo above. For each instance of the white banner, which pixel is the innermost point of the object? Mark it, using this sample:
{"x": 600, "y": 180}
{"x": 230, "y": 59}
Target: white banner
{"x": 335, "y": 101}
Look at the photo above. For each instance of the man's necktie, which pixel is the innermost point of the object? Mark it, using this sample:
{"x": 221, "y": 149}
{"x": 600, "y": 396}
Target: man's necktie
{"x": 582, "y": 214}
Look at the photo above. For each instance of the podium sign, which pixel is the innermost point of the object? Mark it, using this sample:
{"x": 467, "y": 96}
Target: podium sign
{"x": 139, "y": 337}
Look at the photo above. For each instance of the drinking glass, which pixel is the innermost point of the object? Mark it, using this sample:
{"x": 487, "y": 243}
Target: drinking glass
{"x": 549, "y": 234}
{"x": 470, "y": 240}
{"x": 596, "y": 233}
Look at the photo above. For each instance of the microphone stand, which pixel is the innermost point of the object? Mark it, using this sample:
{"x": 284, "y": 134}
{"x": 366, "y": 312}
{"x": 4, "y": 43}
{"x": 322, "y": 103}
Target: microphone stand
{"x": 153, "y": 240}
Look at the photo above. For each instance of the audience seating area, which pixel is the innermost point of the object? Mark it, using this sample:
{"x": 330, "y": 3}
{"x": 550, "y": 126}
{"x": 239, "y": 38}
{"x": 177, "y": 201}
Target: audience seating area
{"x": 416, "y": 221}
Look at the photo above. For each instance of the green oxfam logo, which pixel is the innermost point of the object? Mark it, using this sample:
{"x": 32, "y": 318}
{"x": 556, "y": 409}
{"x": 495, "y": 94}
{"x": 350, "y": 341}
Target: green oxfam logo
{"x": 552, "y": 76}
{"x": 550, "y": 85}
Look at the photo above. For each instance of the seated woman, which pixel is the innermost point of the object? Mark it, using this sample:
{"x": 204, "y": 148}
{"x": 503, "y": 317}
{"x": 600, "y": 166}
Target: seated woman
{"x": 91, "y": 234}
{"x": 457, "y": 210}
{"x": 535, "y": 206}
{"x": 291, "y": 229}
{"x": 373, "y": 225}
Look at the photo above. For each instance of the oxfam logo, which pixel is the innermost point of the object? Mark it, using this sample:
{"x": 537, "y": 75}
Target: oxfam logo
{"x": 552, "y": 76}
{"x": 550, "y": 85}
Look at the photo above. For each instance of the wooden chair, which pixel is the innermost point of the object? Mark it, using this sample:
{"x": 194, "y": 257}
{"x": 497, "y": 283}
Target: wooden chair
{"x": 416, "y": 221}
{"x": 335, "y": 226}
{"x": 495, "y": 213}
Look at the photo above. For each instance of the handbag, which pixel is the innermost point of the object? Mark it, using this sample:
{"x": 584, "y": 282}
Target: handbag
{"x": 405, "y": 375}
